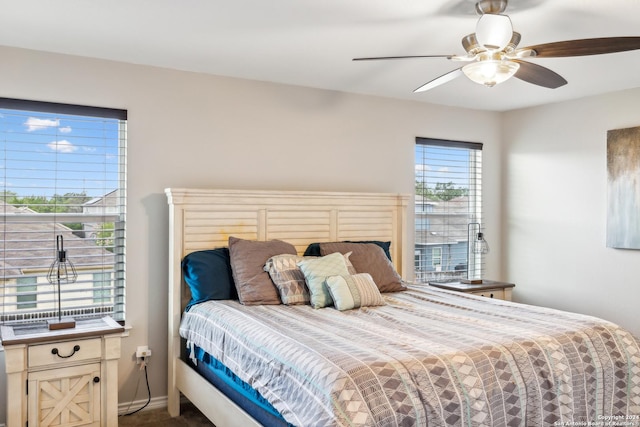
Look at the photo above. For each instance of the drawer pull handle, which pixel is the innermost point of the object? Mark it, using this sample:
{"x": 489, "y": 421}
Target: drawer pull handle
{"x": 96, "y": 379}
{"x": 55, "y": 351}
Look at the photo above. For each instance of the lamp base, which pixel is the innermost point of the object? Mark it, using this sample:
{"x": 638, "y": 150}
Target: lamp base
{"x": 471, "y": 281}
{"x": 64, "y": 323}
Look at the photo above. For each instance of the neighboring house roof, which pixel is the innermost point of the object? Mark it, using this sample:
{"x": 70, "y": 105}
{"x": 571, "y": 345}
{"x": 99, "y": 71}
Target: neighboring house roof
{"x": 28, "y": 246}
{"x": 109, "y": 199}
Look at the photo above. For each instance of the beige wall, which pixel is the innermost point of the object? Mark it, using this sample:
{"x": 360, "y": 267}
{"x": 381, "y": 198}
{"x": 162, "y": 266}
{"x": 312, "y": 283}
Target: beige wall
{"x": 192, "y": 130}
{"x": 545, "y": 190}
{"x": 555, "y": 205}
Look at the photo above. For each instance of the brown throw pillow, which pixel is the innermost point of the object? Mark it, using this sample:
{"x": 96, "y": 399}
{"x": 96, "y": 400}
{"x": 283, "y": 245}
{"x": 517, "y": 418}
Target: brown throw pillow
{"x": 248, "y": 257}
{"x": 369, "y": 258}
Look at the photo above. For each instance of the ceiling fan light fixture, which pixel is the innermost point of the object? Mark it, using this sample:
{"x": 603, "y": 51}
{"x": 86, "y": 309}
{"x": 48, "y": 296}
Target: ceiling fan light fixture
{"x": 492, "y": 53}
{"x": 513, "y": 43}
{"x": 470, "y": 44}
{"x": 494, "y": 31}
{"x": 490, "y": 72}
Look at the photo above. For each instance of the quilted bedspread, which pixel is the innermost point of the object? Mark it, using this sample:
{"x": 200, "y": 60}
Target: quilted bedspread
{"x": 429, "y": 357}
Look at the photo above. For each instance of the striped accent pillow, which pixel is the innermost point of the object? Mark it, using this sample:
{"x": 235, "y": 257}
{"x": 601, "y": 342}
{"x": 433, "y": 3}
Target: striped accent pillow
{"x": 288, "y": 278}
{"x": 354, "y": 291}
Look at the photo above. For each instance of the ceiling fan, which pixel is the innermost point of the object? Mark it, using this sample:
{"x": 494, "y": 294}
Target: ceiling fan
{"x": 493, "y": 55}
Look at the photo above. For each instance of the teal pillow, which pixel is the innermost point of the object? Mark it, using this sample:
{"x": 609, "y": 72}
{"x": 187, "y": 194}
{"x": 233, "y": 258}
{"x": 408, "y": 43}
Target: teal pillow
{"x": 208, "y": 275}
{"x": 316, "y": 270}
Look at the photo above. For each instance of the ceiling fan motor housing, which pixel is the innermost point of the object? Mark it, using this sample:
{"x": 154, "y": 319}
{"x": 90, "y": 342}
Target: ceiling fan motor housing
{"x": 491, "y": 6}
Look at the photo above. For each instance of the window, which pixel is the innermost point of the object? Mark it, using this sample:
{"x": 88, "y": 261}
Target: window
{"x": 448, "y": 209}
{"x": 63, "y": 175}
{"x": 417, "y": 259}
{"x": 27, "y": 297}
{"x": 436, "y": 258}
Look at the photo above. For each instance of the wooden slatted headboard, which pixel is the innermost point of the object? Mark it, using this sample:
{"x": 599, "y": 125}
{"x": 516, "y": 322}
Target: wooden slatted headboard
{"x": 204, "y": 219}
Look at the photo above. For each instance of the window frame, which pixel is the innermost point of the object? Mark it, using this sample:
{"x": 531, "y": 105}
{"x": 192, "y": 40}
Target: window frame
{"x": 447, "y": 226}
{"x": 117, "y": 241}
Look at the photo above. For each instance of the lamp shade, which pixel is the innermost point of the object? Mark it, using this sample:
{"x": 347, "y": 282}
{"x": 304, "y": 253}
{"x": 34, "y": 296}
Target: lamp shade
{"x": 480, "y": 245}
{"x": 61, "y": 269}
{"x": 490, "y": 72}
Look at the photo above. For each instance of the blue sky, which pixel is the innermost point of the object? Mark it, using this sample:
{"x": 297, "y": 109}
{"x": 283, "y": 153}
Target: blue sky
{"x": 44, "y": 154}
{"x": 436, "y": 164}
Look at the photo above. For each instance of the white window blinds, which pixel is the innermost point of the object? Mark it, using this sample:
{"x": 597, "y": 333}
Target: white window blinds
{"x": 448, "y": 210}
{"x": 63, "y": 174}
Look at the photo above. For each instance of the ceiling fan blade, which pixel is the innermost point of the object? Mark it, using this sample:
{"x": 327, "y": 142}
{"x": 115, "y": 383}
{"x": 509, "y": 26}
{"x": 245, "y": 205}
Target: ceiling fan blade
{"x": 402, "y": 57}
{"x": 539, "y": 75}
{"x": 440, "y": 80}
{"x": 584, "y": 47}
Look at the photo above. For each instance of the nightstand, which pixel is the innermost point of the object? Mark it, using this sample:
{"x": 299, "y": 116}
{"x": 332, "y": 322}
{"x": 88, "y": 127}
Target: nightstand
{"x": 488, "y": 288}
{"x": 66, "y": 377}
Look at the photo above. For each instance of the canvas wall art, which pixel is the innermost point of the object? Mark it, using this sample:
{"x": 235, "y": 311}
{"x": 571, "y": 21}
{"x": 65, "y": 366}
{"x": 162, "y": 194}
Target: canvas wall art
{"x": 623, "y": 186}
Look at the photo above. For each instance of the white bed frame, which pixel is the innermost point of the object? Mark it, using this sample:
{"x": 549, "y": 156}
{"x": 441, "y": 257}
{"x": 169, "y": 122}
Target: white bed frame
{"x": 204, "y": 219}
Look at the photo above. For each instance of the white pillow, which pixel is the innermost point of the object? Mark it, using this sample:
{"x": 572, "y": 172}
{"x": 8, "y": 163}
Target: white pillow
{"x": 358, "y": 290}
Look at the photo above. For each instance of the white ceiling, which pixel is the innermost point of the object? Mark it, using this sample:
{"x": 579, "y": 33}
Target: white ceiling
{"x": 311, "y": 42}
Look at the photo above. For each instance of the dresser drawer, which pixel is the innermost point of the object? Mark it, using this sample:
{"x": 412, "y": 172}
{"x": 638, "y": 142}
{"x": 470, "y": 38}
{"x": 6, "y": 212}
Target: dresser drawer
{"x": 64, "y": 352}
{"x": 491, "y": 293}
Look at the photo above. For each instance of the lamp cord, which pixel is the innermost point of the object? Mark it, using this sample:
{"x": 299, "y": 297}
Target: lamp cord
{"x": 146, "y": 376}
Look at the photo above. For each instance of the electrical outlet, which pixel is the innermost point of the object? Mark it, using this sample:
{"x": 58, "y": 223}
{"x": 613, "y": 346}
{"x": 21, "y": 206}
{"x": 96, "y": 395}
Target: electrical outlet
{"x": 142, "y": 352}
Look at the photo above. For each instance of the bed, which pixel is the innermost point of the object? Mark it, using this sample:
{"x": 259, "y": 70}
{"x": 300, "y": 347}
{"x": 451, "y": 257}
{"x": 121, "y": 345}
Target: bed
{"x": 410, "y": 356}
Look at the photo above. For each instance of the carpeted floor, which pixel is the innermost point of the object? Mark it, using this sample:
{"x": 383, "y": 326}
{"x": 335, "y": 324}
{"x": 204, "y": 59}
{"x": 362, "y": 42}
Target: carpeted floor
{"x": 189, "y": 417}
